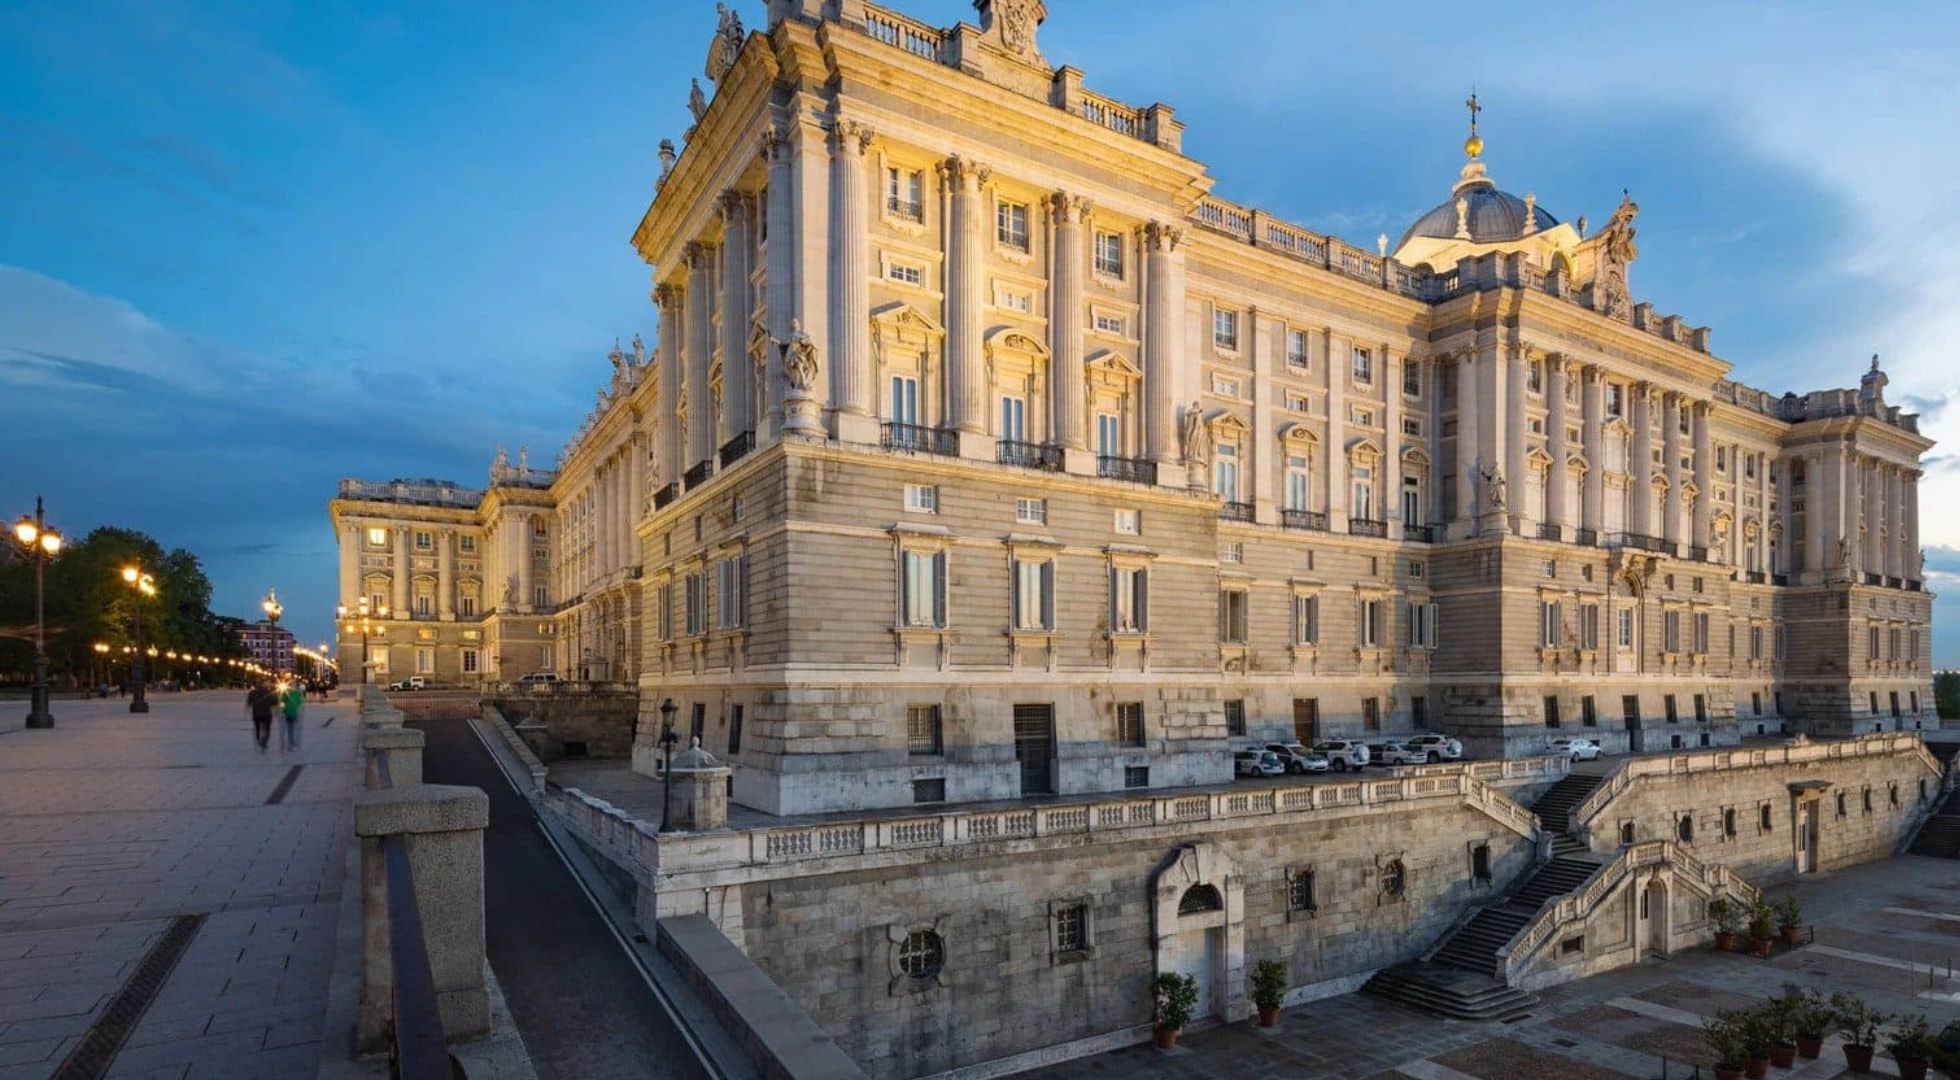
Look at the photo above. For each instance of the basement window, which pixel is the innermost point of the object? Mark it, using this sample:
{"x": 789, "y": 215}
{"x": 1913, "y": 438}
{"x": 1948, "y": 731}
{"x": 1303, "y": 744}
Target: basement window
{"x": 1572, "y": 946}
{"x": 575, "y": 748}
{"x": 1480, "y": 864}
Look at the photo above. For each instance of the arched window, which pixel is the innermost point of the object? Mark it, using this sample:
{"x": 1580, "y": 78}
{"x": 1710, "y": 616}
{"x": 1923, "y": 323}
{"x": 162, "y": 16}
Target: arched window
{"x": 1395, "y": 878}
{"x": 1199, "y": 899}
{"x": 1684, "y": 829}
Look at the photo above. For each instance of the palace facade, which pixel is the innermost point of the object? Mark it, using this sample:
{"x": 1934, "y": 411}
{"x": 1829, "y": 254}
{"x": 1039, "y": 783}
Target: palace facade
{"x": 985, "y": 452}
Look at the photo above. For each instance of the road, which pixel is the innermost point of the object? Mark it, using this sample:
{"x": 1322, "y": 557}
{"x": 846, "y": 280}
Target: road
{"x": 581, "y": 1004}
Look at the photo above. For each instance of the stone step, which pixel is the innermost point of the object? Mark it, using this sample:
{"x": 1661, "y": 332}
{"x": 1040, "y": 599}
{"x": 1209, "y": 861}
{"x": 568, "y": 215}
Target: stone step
{"x": 1451, "y": 992}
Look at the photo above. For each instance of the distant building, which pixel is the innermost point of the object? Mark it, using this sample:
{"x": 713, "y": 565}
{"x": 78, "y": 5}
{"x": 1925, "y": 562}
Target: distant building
{"x": 269, "y": 644}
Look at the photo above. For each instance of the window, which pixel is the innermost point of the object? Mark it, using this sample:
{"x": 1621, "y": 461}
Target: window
{"x": 1225, "y": 472}
{"x": 905, "y": 273}
{"x": 377, "y": 538}
{"x": 1110, "y": 324}
{"x": 1551, "y": 711}
{"x": 1109, "y": 254}
{"x": 1419, "y": 711}
{"x": 1034, "y": 594}
{"x": 1866, "y": 798}
{"x": 732, "y": 593}
{"x": 1224, "y": 387}
{"x": 1412, "y": 379}
{"x": 1534, "y": 377}
{"x": 1297, "y": 403}
{"x": 1701, "y": 633}
{"x": 1411, "y": 501}
{"x": 1296, "y": 348}
{"x": 903, "y": 193}
{"x": 1031, "y": 511}
{"x": 1395, "y": 878}
{"x": 1668, "y": 706}
{"x": 1363, "y": 506}
{"x": 921, "y": 499}
{"x": 922, "y": 589}
{"x": 1014, "y": 419}
{"x": 1136, "y": 776}
{"x": 1306, "y": 620}
{"x": 1615, "y": 399}
{"x": 1011, "y": 225}
{"x": 1589, "y": 626}
{"x": 1364, "y": 367}
{"x": 1232, "y": 552}
{"x": 1701, "y": 708}
{"x": 1126, "y": 522}
{"x": 1109, "y": 435}
{"x": 1014, "y": 300}
{"x": 467, "y": 543}
{"x": 424, "y": 541}
{"x": 470, "y": 661}
{"x": 921, "y": 954}
{"x": 734, "y": 729}
{"x": 1306, "y": 720}
{"x": 1232, "y": 616}
{"x": 1299, "y": 482}
{"x": 1670, "y": 631}
{"x": 697, "y": 605}
{"x": 904, "y": 400}
{"x": 1684, "y": 828}
{"x": 1369, "y": 628}
{"x": 1129, "y": 595}
{"x": 1071, "y": 928}
{"x": 1480, "y": 864}
{"x": 1299, "y": 890}
{"x": 1225, "y": 329}
{"x": 1588, "y": 711}
{"x": 1728, "y": 823}
{"x": 1235, "y": 717}
{"x": 423, "y": 603}
{"x": 932, "y": 790}
{"x": 922, "y": 731}
{"x": 1551, "y": 629}
{"x": 1764, "y": 818}
{"x": 425, "y": 660}
{"x": 665, "y": 612}
{"x": 1422, "y": 625}
{"x": 1129, "y": 723}
{"x": 698, "y": 721}
{"x": 541, "y": 596}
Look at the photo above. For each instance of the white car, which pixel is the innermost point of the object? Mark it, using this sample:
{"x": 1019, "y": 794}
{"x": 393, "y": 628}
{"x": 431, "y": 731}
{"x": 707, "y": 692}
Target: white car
{"x": 413, "y": 682}
{"x": 1343, "y": 754}
{"x": 1575, "y": 748}
{"x": 1386, "y": 752}
{"x": 1433, "y": 747}
{"x": 1257, "y": 763}
{"x": 537, "y": 677}
{"x": 1299, "y": 759}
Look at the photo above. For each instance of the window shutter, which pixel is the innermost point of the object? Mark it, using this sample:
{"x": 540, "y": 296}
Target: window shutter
{"x": 1143, "y": 600}
{"x": 939, "y": 589}
{"x": 904, "y": 591}
{"x": 1113, "y": 582}
{"x": 1224, "y": 628}
{"x": 1048, "y": 595}
{"x": 742, "y": 589}
{"x": 1014, "y": 620}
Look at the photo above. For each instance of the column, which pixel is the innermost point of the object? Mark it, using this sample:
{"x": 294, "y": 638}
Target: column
{"x": 1391, "y": 466}
{"x": 1641, "y": 467}
{"x": 522, "y": 524}
{"x": 636, "y": 494}
{"x": 446, "y": 574}
{"x": 1895, "y": 523}
{"x": 850, "y": 294}
{"x": 1871, "y": 560}
{"x": 700, "y": 402}
{"x": 737, "y": 368}
{"x": 629, "y": 516}
{"x": 1262, "y": 448}
{"x": 1762, "y": 514}
{"x": 1434, "y": 511}
{"x": 1592, "y": 405}
{"x": 671, "y": 299}
{"x": 1834, "y": 516}
{"x": 1670, "y": 529}
{"x": 1512, "y": 435}
{"x": 1468, "y": 419}
{"x": 351, "y": 539}
{"x": 1163, "y": 347}
{"x": 1070, "y": 213}
{"x": 966, "y": 392}
{"x": 1340, "y": 365}
{"x": 1556, "y": 507}
{"x": 1738, "y": 552}
{"x": 781, "y": 262}
{"x": 401, "y": 572}
{"x": 1813, "y": 513}
{"x": 809, "y": 282}
{"x": 1704, "y": 451}
{"x": 1909, "y": 507}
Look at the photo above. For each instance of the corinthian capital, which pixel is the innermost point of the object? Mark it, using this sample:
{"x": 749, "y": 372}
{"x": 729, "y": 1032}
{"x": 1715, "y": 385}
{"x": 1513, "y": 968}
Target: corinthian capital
{"x": 1160, "y": 236}
{"x": 1069, "y": 208}
{"x": 733, "y": 203}
{"x": 851, "y": 136}
{"x": 699, "y": 254}
{"x": 667, "y": 296}
{"x": 964, "y": 172}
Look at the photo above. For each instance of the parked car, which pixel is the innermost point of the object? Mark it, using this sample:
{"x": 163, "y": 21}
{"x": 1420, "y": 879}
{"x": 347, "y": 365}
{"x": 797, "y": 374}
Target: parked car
{"x": 537, "y": 677}
{"x": 1433, "y": 747}
{"x": 1257, "y": 763}
{"x": 1385, "y": 752}
{"x": 1297, "y": 758}
{"x": 1342, "y": 754}
{"x": 1575, "y": 748}
{"x": 413, "y": 682}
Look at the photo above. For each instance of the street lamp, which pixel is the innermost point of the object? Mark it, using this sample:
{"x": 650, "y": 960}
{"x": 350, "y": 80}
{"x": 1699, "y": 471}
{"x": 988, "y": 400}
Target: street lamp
{"x": 667, "y": 740}
{"x": 40, "y": 543}
{"x": 146, "y": 587}
{"x": 102, "y": 650}
{"x": 363, "y": 620}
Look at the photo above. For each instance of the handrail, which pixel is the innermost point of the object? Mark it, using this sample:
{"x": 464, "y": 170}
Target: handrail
{"x": 421, "y": 1052}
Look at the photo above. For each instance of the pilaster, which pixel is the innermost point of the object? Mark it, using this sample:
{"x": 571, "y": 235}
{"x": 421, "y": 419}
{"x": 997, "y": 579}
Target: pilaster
{"x": 850, "y": 310}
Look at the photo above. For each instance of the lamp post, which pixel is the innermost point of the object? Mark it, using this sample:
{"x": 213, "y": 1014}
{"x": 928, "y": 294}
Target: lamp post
{"x": 273, "y": 609}
{"x": 102, "y": 652}
{"x": 363, "y": 620}
{"x": 40, "y": 543}
{"x": 667, "y": 739}
{"x": 146, "y": 587}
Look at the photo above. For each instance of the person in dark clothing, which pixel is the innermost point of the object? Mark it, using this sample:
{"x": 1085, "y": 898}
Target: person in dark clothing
{"x": 262, "y": 701}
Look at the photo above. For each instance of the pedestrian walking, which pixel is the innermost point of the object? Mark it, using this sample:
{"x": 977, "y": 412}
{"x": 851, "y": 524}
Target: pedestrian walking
{"x": 260, "y": 702}
{"x": 293, "y": 702}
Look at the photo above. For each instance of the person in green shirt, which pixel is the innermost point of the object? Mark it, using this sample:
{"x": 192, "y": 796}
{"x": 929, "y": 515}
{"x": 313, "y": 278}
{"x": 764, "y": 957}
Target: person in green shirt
{"x": 292, "y": 701}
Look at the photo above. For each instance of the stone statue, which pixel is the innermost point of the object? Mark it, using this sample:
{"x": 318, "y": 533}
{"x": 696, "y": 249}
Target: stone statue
{"x": 1196, "y": 436}
{"x": 523, "y": 459}
{"x": 639, "y": 352}
{"x": 697, "y": 102}
{"x": 1018, "y": 21}
{"x": 799, "y": 358}
{"x": 667, "y": 158}
{"x": 1462, "y": 218}
{"x": 501, "y": 461}
{"x": 1616, "y": 251}
{"x": 510, "y": 592}
{"x": 1844, "y": 554}
{"x": 618, "y": 359}
{"x": 1496, "y": 491}
{"x": 727, "y": 43}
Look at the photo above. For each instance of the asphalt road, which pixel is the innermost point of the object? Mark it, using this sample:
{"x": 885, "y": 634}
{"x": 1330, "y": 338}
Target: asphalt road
{"x": 581, "y": 1004}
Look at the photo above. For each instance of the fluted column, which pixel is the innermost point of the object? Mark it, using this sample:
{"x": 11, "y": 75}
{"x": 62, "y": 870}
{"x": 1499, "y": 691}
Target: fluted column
{"x": 966, "y": 391}
{"x": 1871, "y": 559}
{"x": 1556, "y": 507}
{"x": 700, "y": 401}
{"x": 1163, "y": 311}
{"x": 1642, "y": 465}
{"x": 1895, "y": 522}
{"x": 1334, "y": 463}
{"x": 1813, "y": 512}
{"x": 1592, "y": 405}
{"x": 636, "y": 495}
{"x": 1762, "y": 514}
{"x": 671, "y": 299}
{"x": 1671, "y": 463}
{"x": 1390, "y": 473}
{"x": 446, "y": 574}
{"x": 737, "y": 370}
{"x": 524, "y": 561}
{"x": 1704, "y": 451}
{"x": 1909, "y": 508}
{"x": 1512, "y": 435}
{"x": 401, "y": 572}
{"x": 1065, "y": 321}
{"x": 351, "y": 540}
{"x": 850, "y": 294}
{"x": 780, "y": 251}
{"x": 1469, "y": 415}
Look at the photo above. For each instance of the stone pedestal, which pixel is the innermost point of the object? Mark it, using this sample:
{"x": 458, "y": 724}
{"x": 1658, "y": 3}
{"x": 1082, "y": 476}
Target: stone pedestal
{"x": 700, "y": 790}
{"x": 404, "y": 748}
{"x": 800, "y": 414}
{"x": 442, "y": 827}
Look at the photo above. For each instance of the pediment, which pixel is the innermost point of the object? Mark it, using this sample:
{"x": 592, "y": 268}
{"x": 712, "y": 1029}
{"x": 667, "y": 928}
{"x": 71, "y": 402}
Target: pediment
{"x": 1113, "y": 363}
{"x": 1577, "y": 463}
{"x": 1296, "y": 432}
{"x": 1415, "y": 456}
{"x": 1014, "y": 339}
{"x": 1227, "y": 420}
{"x": 899, "y": 317}
{"x": 1364, "y": 446}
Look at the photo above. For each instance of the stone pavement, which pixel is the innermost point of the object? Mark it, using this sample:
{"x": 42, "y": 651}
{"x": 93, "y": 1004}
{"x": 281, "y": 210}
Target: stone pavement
{"x": 1886, "y": 931}
{"x": 113, "y": 829}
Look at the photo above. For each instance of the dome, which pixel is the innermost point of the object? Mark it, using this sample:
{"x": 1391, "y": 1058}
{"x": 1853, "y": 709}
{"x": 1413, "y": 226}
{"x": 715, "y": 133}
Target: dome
{"x": 1492, "y": 215}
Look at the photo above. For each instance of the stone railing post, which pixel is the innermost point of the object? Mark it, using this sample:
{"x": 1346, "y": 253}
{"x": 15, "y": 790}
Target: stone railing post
{"x": 442, "y": 827}
{"x": 404, "y": 749}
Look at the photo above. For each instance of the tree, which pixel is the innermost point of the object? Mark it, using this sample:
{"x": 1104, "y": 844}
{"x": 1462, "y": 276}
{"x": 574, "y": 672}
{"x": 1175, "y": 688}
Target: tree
{"x": 1946, "y": 694}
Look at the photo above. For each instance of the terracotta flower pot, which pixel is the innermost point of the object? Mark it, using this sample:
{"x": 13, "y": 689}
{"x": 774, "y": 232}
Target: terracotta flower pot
{"x": 1912, "y": 1068}
{"x": 1788, "y": 934}
{"x": 1724, "y": 940}
{"x": 1858, "y": 1058}
{"x": 1268, "y": 1017}
{"x": 1166, "y": 1036}
{"x": 1809, "y": 1046}
{"x": 1759, "y": 946}
{"x": 1727, "y": 1072}
{"x": 1782, "y": 1055}
{"x": 1757, "y": 1068}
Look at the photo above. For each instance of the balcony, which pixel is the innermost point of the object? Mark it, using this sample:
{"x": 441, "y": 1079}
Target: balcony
{"x": 1779, "y": 579}
{"x": 737, "y": 448}
{"x": 666, "y": 495}
{"x": 1550, "y": 530}
{"x": 1312, "y": 520}
{"x": 1586, "y": 537}
{"x": 698, "y": 475}
{"x": 919, "y": 439}
{"x": 1698, "y": 554}
{"x": 1638, "y": 540}
{"x": 1027, "y": 455}
{"x": 1135, "y": 470}
{"x": 1756, "y": 577}
{"x": 1915, "y": 586}
{"x": 1874, "y": 579}
{"x": 1367, "y": 527}
{"x": 1235, "y": 511}
{"x": 905, "y": 209}
{"x": 1421, "y": 534}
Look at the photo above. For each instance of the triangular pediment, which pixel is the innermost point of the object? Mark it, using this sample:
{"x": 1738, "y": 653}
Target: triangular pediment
{"x": 1226, "y": 420}
{"x": 902, "y": 317}
{"x": 1113, "y": 363}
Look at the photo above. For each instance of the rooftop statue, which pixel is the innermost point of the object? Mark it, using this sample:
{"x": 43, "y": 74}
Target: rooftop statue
{"x": 697, "y": 102}
{"x": 727, "y": 43}
{"x": 1196, "y": 436}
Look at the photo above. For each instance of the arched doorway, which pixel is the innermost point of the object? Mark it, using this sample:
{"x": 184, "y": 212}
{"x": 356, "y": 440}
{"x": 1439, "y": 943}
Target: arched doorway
{"x": 1651, "y": 919}
{"x": 1198, "y": 908}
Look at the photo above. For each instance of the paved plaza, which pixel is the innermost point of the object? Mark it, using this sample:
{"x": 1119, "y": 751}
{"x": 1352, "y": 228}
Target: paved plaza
{"x": 131, "y": 836}
{"x": 1887, "y": 931}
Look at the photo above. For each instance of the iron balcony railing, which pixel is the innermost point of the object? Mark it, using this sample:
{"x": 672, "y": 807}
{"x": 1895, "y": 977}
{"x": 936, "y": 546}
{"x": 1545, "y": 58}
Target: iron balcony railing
{"x": 919, "y": 438}
{"x": 421, "y": 1052}
{"x": 1587, "y": 537}
{"x": 1550, "y": 530}
{"x": 698, "y": 475}
{"x": 1028, "y": 455}
{"x": 666, "y": 495}
{"x": 1135, "y": 470}
{"x": 1421, "y": 534}
{"x": 1235, "y": 511}
{"x": 1638, "y": 540}
{"x": 1697, "y": 553}
{"x": 1757, "y": 577}
{"x": 908, "y": 209}
{"x": 1914, "y": 585}
{"x": 737, "y": 448}
{"x": 1313, "y": 520}
{"x": 1779, "y": 579}
{"x": 1367, "y": 527}
{"x": 1874, "y": 579}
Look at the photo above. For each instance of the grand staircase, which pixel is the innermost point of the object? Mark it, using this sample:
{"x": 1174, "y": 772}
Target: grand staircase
{"x": 1940, "y": 836}
{"x": 1463, "y": 977}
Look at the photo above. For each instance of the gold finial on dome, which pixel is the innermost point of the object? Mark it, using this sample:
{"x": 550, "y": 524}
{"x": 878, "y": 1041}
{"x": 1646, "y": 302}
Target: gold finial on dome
{"x": 1474, "y": 145}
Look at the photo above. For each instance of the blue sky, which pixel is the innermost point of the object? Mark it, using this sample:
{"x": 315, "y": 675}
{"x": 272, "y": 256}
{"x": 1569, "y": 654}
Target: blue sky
{"x": 247, "y": 249}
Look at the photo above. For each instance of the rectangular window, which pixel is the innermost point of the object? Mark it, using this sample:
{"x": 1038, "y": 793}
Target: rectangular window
{"x": 1551, "y": 628}
{"x": 1299, "y": 890}
{"x": 1588, "y": 711}
{"x": 1109, "y": 435}
{"x": 1422, "y": 625}
{"x": 1110, "y": 324}
{"x": 697, "y": 605}
{"x": 1615, "y": 399}
{"x": 1015, "y": 300}
{"x": 1014, "y": 419}
{"x": 904, "y": 189}
{"x": 1225, "y": 329}
{"x": 1071, "y": 928}
{"x": 1235, "y": 717}
{"x": 922, "y": 589}
{"x": 1371, "y": 714}
{"x": 1232, "y": 616}
{"x": 732, "y": 593}
{"x": 1031, "y": 511}
{"x": 424, "y": 541}
{"x": 1011, "y": 225}
{"x": 1225, "y": 472}
{"x": 1129, "y": 595}
{"x": 470, "y": 661}
{"x": 1667, "y": 706}
{"x": 1136, "y": 776}
{"x": 541, "y": 596}
{"x": 1369, "y": 630}
{"x": 1534, "y": 377}
{"x": 1298, "y": 403}
{"x": 1034, "y": 594}
{"x": 1129, "y": 723}
{"x": 734, "y": 729}
{"x": 1306, "y": 721}
{"x": 1126, "y": 522}
{"x": 1701, "y": 633}
{"x": 922, "y": 731}
{"x": 1299, "y": 482}
{"x": 1411, "y": 379}
{"x": 921, "y": 499}
{"x": 1589, "y": 626}
{"x": 1306, "y": 620}
{"x": 904, "y": 400}
{"x": 929, "y": 791}
{"x": 904, "y": 273}
{"x": 665, "y": 612}
{"x": 1701, "y": 709}
{"x": 1296, "y": 348}
{"x": 1364, "y": 367}
{"x": 467, "y": 543}
{"x": 1109, "y": 254}
{"x": 1224, "y": 387}
{"x": 1419, "y": 711}
{"x": 425, "y": 661}
{"x": 1670, "y": 631}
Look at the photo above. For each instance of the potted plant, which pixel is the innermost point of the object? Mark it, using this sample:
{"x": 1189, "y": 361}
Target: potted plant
{"x": 1859, "y": 1024}
{"x": 1911, "y": 1045}
{"x": 1758, "y": 1036}
{"x": 1177, "y": 995}
{"x": 1789, "y": 917}
{"x": 1268, "y": 990}
{"x": 1811, "y": 1022}
{"x": 1723, "y": 913}
{"x": 1781, "y": 1014}
{"x": 1761, "y": 915}
{"x": 1723, "y": 1031}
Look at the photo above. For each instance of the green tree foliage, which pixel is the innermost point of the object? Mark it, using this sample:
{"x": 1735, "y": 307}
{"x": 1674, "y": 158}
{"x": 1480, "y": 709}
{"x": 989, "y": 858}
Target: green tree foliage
{"x": 1946, "y": 694}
